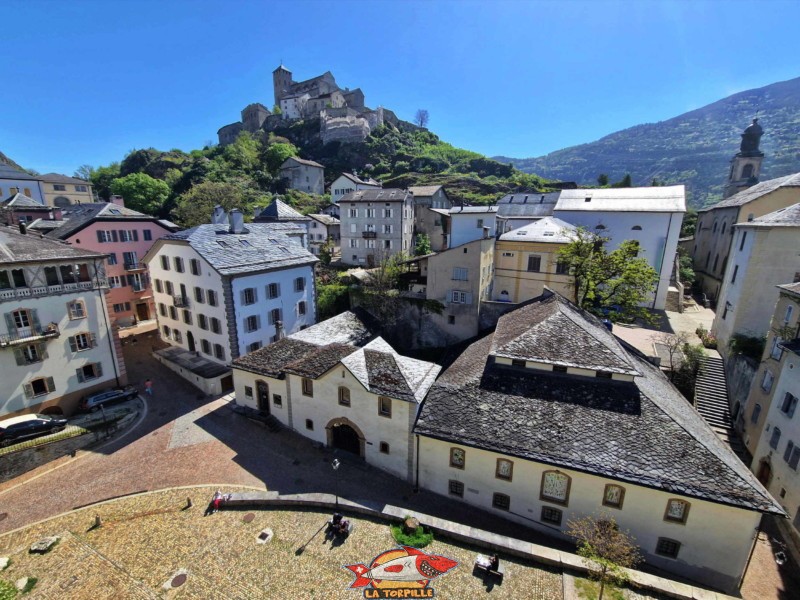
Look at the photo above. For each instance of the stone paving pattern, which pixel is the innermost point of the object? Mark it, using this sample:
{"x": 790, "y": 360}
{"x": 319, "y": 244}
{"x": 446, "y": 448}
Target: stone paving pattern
{"x": 145, "y": 539}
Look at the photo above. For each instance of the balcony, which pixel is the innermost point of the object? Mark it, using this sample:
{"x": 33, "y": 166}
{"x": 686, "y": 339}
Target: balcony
{"x": 45, "y": 290}
{"x": 369, "y": 235}
{"x": 180, "y": 301}
{"x": 135, "y": 266}
{"x": 26, "y": 335}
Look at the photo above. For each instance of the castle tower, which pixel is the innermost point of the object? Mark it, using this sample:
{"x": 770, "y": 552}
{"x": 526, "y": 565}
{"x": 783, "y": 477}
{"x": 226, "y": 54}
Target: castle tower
{"x": 253, "y": 116}
{"x": 281, "y": 82}
{"x": 746, "y": 165}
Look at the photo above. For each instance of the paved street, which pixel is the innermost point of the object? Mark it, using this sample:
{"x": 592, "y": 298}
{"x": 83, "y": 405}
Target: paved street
{"x": 187, "y": 439}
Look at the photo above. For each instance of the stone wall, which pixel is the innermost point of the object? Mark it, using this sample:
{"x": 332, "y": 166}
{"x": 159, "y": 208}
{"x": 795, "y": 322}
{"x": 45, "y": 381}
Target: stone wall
{"x": 344, "y": 129}
{"x": 491, "y": 312}
{"x": 739, "y": 372}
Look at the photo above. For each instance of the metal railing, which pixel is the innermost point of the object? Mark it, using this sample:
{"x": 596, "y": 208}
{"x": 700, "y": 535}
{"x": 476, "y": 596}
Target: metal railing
{"x": 180, "y": 301}
{"x": 135, "y": 266}
{"x": 369, "y": 234}
{"x": 26, "y": 335}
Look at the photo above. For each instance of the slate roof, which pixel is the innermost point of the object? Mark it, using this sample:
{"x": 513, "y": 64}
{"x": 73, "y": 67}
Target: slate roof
{"x": 424, "y": 191}
{"x": 783, "y": 217}
{"x": 756, "y": 191}
{"x": 327, "y": 220}
{"x": 271, "y": 360}
{"x": 20, "y": 200}
{"x": 792, "y": 288}
{"x": 527, "y": 204}
{"x": 59, "y": 178}
{"x": 354, "y": 327}
{"x": 383, "y": 371}
{"x": 302, "y": 161}
{"x": 260, "y": 247}
{"x": 668, "y": 198}
{"x": 78, "y": 216}
{"x": 278, "y": 210}
{"x": 546, "y": 229}
{"x": 358, "y": 180}
{"x": 376, "y": 195}
{"x": 319, "y": 361}
{"x": 18, "y": 247}
{"x": 643, "y": 432}
{"x": 9, "y": 172}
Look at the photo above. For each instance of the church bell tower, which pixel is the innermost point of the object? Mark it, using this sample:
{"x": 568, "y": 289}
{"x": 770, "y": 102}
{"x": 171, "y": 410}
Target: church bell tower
{"x": 281, "y": 82}
{"x": 746, "y": 165}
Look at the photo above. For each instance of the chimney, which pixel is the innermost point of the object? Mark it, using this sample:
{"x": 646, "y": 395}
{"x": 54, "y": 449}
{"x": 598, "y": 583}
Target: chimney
{"x": 279, "y": 333}
{"x": 56, "y": 214}
{"x": 236, "y": 221}
{"x": 116, "y": 199}
{"x": 23, "y": 228}
{"x": 218, "y": 217}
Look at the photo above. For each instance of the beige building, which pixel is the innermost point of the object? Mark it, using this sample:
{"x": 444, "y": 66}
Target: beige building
{"x": 765, "y": 253}
{"x": 432, "y": 214}
{"x": 714, "y": 231}
{"x": 304, "y": 175}
{"x": 526, "y": 260}
{"x": 459, "y": 279}
{"x": 60, "y": 190}
{"x": 781, "y": 342}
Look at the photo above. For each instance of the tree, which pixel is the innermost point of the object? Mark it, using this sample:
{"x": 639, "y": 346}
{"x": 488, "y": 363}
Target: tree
{"x": 599, "y": 539}
{"x": 84, "y": 172}
{"x": 602, "y": 179}
{"x": 625, "y": 182}
{"x": 195, "y": 206}
{"x": 275, "y": 154}
{"x": 103, "y": 177}
{"x": 689, "y": 223}
{"x": 601, "y": 281}
{"x": 421, "y": 118}
{"x": 423, "y": 246}
{"x": 276, "y": 110}
{"x": 326, "y": 252}
{"x": 141, "y": 192}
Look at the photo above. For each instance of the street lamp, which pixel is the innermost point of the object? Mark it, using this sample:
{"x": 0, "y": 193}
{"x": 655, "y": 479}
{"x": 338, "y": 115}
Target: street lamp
{"x": 335, "y": 464}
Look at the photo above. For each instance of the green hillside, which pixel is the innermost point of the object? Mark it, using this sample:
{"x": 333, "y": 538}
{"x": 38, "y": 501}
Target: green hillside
{"x": 184, "y": 186}
{"x": 694, "y": 148}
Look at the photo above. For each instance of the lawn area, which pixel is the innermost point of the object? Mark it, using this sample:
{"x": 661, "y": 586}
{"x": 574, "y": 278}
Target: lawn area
{"x": 144, "y": 540}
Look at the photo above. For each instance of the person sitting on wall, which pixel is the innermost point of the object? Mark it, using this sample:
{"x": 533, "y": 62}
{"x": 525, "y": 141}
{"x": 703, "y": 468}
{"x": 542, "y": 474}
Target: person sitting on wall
{"x": 494, "y": 562}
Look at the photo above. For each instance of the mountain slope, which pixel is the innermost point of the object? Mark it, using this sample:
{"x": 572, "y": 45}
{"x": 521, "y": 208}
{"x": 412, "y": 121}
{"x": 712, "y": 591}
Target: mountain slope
{"x": 694, "y": 148}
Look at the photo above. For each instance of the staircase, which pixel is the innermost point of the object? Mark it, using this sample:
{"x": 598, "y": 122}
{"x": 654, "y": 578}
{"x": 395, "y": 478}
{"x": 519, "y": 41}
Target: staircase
{"x": 711, "y": 401}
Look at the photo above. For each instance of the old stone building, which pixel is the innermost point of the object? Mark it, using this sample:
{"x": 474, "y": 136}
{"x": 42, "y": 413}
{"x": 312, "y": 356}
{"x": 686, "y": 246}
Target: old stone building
{"x": 304, "y": 175}
{"x": 376, "y": 224}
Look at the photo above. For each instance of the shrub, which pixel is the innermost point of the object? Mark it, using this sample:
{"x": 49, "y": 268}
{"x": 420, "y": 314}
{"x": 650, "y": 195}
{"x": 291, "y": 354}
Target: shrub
{"x": 29, "y": 584}
{"x": 419, "y": 539}
{"x": 752, "y": 347}
{"x": 7, "y": 591}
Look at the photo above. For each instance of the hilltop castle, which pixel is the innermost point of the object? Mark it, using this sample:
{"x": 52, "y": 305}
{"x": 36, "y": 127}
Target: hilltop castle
{"x": 342, "y": 114}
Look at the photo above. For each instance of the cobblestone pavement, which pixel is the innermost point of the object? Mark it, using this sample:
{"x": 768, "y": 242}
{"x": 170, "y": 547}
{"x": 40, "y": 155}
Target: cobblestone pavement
{"x": 144, "y": 540}
{"x": 187, "y": 439}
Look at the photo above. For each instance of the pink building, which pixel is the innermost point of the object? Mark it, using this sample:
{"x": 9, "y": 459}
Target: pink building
{"x": 125, "y": 235}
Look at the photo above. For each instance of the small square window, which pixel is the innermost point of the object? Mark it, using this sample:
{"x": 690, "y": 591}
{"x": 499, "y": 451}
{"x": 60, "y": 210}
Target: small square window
{"x": 308, "y": 387}
{"x": 384, "y": 447}
{"x": 501, "y": 501}
{"x": 613, "y": 496}
{"x": 602, "y": 374}
{"x": 344, "y": 396}
{"x": 309, "y": 424}
{"x": 451, "y": 319}
{"x": 551, "y": 515}
{"x": 457, "y": 458}
{"x": 456, "y": 488}
{"x": 277, "y": 399}
{"x": 518, "y": 362}
{"x": 248, "y": 391}
{"x": 384, "y": 406}
{"x": 677, "y": 511}
{"x": 667, "y": 547}
{"x": 559, "y": 369}
{"x": 504, "y": 469}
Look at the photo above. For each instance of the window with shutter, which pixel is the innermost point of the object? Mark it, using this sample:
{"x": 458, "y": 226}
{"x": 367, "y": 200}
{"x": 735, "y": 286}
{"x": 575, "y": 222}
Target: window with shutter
{"x": 776, "y": 437}
{"x": 787, "y": 454}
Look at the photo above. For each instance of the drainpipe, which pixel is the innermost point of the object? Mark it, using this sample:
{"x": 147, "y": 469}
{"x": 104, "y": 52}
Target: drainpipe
{"x": 104, "y": 309}
{"x": 416, "y": 478}
{"x": 750, "y": 556}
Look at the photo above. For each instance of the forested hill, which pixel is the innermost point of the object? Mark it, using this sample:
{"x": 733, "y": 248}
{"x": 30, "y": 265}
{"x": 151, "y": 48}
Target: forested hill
{"x": 184, "y": 186}
{"x": 694, "y": 148}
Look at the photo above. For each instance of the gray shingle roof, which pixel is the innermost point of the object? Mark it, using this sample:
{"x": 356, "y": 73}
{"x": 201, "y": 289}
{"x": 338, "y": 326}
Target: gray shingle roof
{"x": 260, "y": 247}
{"x": 546, "y": 229}
{"x": 9, "y": 172}
{"x": 16, "y": 247}
{"x": 643, "y": 432}
{"x": 376, "y": 195}
{"x": 79, "y": 216}
{"x": 792, "y": 288}
{"x": 20, "y": 200}
{"x": 325, "y": 219}
{"x": 668, "y": 198}
{"x": 358, "y": 180}
{"x": 756, "y": 191}
{"x": 319, "y": 361}
{"x": 783, "y": 217}
{"x": 278, "y": 210}
{"x": 271, "y": 360}
{"x": 424, "y": 191}
{"x": 302, "y": 161}
{"x": 59, "y": 178}
{"x": 527, "y": 204}
{"x": 354, "y": 327}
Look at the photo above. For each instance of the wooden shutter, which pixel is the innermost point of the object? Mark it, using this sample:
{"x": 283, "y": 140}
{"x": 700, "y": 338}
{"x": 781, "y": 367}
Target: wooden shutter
{"x": 92, "y": 340}
{"x": 79, "y": 373}
{"x": 35, "y": 319}
{"x": 28, "y": 390}
{"x": 114, "y": 235}
{"x": 135, "y": 235}
{"x": 51, "y": 384}
{"x": 12, "y": 326}
{"x": 101, "y": 236}
{"x": 73, "y": 344}
{"x": 468, "y": 298}
{"x": 98, "y": 369}
{"x": 19, "y": 355}
{"x": 41, "y": 349}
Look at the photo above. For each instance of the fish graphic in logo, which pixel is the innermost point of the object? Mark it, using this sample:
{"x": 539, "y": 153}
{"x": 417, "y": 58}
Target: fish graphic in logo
{"x": 401, "y": 568}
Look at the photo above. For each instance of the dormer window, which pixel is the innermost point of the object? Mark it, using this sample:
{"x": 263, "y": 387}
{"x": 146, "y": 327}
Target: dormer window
{"x": 603, "y": 374}
{"x": 518, "y": 363}
{"x": 559, "y": 369}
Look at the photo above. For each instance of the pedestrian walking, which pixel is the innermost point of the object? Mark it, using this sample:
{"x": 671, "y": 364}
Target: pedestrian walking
{"x": 148, "y": 387}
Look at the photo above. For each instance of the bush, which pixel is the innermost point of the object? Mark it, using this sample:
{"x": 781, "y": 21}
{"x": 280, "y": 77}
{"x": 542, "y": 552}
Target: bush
{"x": 419, "y": 539}
{"x": 7, "y": 591}
{"x": 751, "y": 347}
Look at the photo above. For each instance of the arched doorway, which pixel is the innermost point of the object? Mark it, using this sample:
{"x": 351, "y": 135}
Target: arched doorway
{"x": 764, "y": 472}
{"x": 345, "y": 435}
{"x": 62, "y": 202}
{"x": 262, "y": 395}
{"x": 190, "y": 341}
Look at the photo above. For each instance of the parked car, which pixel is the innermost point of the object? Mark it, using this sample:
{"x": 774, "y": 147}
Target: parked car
{"x": 24, "y": 427}
{"x": 92, "y": 402}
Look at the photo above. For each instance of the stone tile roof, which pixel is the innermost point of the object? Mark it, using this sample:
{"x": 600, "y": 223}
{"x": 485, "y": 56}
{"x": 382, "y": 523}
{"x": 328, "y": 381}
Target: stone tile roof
{"x": 16, "y": 247}
{"x": 546, "y": 229}
{"x": 327, "y": 220}
{"x": 424, "y": 191}
{"x": 383, "y": 371}
{"x": 792, "y": 288}
{"x": 359, "y": 181}
{"x": 355, "y": 327}
{"x": 551, "y": 330}
{"x": 20, "y": 200}
{"x": 271, "y": 360}
{"x": 78, "y": 216}
{"x": 320, "y": 360}
{"x": 668, "y": 198}
{"x": 260, "y": 247}
{"x": 783, "y": 217}
{"x": 756, "y": 191}
{"x": 302, "y": 161}
{"x": 9, "y": 172}
{"x": 376, "y": 195}
{"x": 643, "y": 432}
{"x": 278, "y": 210}
{"x": 527, "y": 204}
{"x": 59, "y": 178}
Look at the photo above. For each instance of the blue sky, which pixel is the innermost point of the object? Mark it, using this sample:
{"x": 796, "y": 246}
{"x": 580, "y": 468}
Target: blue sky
{"x": 85, "y": 82}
